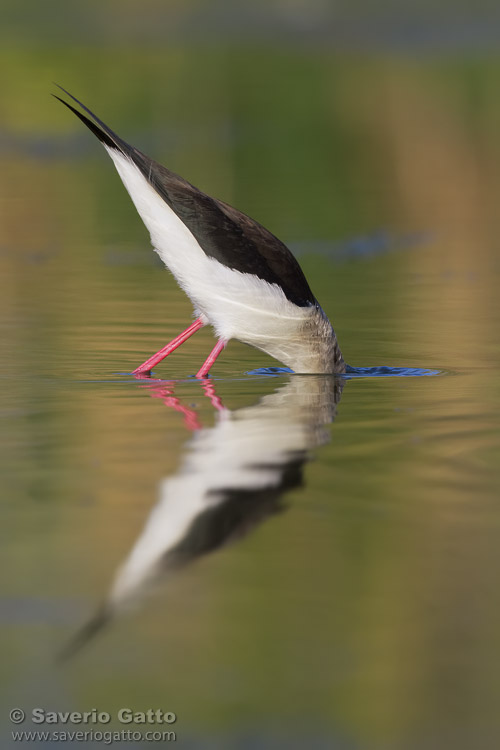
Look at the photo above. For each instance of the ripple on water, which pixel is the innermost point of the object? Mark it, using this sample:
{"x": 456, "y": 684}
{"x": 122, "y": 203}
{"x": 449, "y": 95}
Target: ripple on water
{"x": 359, "y": 372}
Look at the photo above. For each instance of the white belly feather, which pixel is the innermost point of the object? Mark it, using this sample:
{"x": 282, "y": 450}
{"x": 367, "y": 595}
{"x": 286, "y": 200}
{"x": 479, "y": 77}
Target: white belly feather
{"x": 238, "y": 305}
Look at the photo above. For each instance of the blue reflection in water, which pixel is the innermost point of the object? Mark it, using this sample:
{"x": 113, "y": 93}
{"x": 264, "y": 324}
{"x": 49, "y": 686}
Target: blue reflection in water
{"x": 388, "y": 372}
{"x": 358, "y": 372}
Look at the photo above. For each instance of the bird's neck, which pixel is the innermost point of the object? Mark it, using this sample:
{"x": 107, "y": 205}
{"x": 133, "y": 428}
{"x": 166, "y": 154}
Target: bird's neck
{"x": 314, "y": 348}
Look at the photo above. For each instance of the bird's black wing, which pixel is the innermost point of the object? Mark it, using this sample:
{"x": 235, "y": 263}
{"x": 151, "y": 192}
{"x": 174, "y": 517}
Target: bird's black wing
{"x": 223, "y": 232}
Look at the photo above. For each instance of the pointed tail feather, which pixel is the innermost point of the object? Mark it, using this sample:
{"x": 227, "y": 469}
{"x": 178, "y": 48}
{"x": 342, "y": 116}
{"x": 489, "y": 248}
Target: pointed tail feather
{"x": 98, "y": 127}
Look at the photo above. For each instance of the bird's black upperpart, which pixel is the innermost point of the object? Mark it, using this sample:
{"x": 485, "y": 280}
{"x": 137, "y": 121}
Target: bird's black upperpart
{"x": 224, "y": 233}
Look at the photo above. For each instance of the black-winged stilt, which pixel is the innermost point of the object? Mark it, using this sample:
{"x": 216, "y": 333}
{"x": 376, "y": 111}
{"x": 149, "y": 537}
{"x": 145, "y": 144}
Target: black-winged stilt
{"x": 241, "y": 279}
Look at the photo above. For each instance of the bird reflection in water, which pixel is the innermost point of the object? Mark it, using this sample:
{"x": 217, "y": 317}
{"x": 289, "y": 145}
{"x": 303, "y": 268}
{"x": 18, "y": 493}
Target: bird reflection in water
{"x": 232, "y": 478}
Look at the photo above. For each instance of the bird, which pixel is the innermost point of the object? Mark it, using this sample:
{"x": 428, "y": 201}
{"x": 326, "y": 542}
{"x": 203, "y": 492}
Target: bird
{"x": 241, "y": 279}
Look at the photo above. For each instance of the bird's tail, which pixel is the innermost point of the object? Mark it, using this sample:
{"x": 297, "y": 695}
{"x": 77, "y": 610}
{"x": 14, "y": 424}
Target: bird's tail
{"x": 97, "y": 126}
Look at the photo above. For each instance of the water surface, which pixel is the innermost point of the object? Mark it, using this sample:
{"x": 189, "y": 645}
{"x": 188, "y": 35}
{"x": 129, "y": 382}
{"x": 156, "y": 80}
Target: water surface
{"x": 283, "y": 561}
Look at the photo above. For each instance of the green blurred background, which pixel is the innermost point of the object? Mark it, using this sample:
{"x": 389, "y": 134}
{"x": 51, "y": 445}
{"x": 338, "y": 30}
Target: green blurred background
{"x": 367, "y": 137}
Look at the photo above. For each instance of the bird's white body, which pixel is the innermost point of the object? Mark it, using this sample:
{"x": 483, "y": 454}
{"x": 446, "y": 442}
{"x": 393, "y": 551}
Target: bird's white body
{"x": 238, "y": 305}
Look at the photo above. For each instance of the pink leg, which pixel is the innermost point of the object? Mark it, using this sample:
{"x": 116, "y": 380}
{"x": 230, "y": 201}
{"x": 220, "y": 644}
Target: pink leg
{"x": 205, "y": 368}
{"x": 169, "y": 348}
